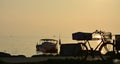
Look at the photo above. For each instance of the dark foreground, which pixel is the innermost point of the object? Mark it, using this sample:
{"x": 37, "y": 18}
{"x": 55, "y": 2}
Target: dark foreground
{"x": 66, "y": 61}
{"x": 41, "y": 59}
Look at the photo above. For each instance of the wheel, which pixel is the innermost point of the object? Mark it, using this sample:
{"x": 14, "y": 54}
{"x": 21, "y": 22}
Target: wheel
{"x": 81, "y": 51}
{"x": 107, "y": 49}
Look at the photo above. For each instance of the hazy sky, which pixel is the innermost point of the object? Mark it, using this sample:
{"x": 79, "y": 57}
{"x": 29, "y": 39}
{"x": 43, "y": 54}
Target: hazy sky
{"x": 41, "y": 17}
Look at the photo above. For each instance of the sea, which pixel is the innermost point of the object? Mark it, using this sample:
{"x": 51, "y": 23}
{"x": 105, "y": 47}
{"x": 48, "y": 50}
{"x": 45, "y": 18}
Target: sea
{"x": 21, "y": 45}
{"x": 26, "y": 45}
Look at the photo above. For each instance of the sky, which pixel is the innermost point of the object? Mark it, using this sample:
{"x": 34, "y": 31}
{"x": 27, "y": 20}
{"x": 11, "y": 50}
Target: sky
{"x": 51, "y": 18}
{"x": 58, "y": 17}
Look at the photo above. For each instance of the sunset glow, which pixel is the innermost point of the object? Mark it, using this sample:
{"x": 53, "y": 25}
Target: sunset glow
{"x": 24, "y": 22}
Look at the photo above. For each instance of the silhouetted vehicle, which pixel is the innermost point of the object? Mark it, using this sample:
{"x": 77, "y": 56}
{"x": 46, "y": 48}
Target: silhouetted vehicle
{"x": 47, "y": 46}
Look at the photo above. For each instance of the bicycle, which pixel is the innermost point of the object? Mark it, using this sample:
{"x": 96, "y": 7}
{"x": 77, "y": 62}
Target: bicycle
{"x": 86, "y": 49}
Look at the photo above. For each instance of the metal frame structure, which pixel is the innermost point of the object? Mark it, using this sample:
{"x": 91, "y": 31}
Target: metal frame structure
{"x": 105, "y": 40}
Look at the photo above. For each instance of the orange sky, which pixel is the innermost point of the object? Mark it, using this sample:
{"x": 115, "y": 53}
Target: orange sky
{"x": 53, "y": 17}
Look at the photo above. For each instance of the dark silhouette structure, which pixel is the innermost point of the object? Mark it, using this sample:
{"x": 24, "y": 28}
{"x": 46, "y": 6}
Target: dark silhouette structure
{"x": 104, "y": 38}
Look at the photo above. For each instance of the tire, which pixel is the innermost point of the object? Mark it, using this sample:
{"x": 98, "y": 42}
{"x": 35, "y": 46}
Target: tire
{"x": 107, "y": 49}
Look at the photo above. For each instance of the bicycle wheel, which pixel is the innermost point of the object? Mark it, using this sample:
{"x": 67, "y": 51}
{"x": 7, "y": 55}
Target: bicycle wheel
{"x": 107, "y": 49}
{"x": 82, "y": 52}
